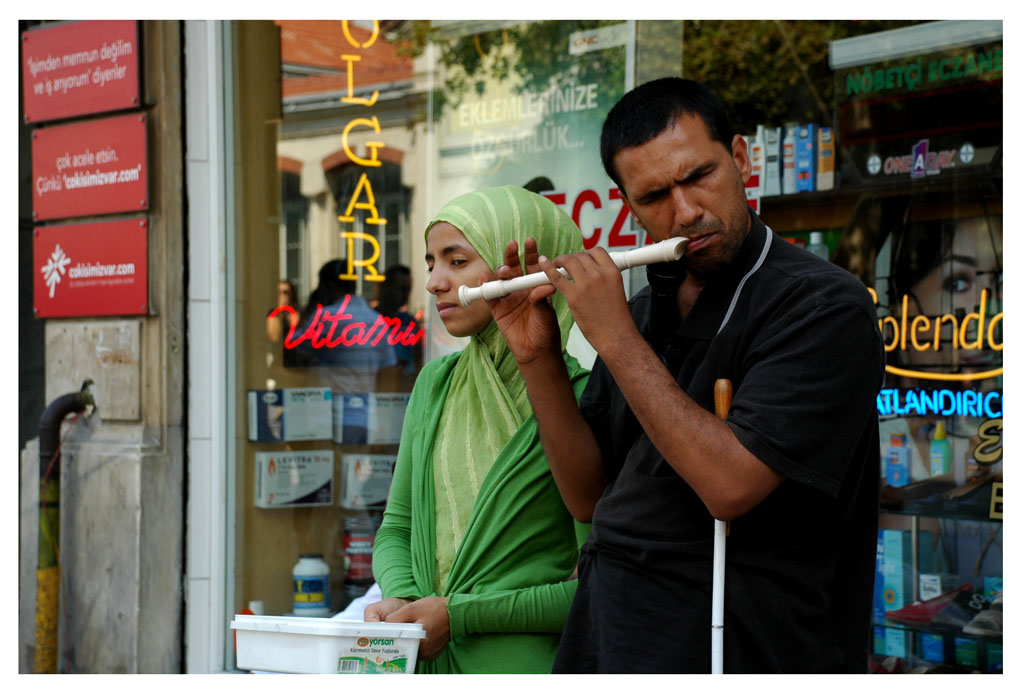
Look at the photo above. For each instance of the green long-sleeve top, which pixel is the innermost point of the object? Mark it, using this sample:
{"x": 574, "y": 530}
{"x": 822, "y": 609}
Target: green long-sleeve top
{"x": 508, "y": 586}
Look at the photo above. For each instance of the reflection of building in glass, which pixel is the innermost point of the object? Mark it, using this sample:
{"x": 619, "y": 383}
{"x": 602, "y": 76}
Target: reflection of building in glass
{"x": 294, "y": 232}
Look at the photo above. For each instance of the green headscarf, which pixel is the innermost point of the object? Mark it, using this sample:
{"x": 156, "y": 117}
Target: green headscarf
{"x": 487, "y": 401}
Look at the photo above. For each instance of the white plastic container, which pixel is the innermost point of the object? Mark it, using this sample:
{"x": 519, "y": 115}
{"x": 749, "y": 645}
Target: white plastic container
{"x": 311, "y": 586}
{"x": 325, "y": 646}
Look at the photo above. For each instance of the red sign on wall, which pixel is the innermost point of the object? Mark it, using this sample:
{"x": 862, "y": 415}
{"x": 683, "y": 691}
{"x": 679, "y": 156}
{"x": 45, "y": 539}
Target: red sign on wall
{"x": 90, "y": 168}
{"x": 96, "y": 269}
{"x": 79, "y": 68}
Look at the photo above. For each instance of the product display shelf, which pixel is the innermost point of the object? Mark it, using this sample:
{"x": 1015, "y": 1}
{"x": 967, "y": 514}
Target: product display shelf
{"x": 980, "y": 639}
{"x": 926, "y": 651}
{"x": 851, "y": 204}
{"x": 978, "y": 499}
{"x": 901, "y": 647}
{"x": 951, "y": 536}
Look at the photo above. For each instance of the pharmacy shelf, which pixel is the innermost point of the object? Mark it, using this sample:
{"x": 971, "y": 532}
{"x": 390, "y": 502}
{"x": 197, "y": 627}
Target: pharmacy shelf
{"x": 927, "y": 629}
{"x": 977, "y": 500}
{"x": 928, "y": 650}
{"x": 838, "y": 208}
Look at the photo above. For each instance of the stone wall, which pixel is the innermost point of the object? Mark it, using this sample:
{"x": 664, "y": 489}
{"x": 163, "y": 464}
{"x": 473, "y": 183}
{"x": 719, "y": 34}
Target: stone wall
{"x": 122, "y": 469}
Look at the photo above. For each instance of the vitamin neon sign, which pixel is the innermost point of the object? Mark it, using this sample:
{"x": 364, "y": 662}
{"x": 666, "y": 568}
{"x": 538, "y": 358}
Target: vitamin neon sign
{"x": 328, "y": 330}
{"x": 923, "y": 334}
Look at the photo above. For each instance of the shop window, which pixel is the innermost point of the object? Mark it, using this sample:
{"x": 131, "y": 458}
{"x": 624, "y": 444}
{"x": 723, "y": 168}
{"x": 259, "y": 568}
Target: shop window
{"x": 522, "y": 103}
{"x": 327, "y": 337}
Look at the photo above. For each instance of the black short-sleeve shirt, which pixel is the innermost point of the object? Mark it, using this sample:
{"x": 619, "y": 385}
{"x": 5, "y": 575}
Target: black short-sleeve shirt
{"x": 798, "y": 338}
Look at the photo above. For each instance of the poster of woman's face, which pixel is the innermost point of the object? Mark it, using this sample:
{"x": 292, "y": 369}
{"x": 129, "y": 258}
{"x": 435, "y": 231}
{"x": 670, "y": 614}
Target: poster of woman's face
{"x": 943, "y": 269}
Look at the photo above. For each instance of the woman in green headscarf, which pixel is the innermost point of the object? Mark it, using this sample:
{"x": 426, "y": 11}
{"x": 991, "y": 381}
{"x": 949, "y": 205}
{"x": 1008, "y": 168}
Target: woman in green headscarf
{"x": 476, "y": 543}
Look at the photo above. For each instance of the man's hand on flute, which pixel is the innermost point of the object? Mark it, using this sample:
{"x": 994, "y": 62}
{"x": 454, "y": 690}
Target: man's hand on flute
{"x": 595, "y": 294}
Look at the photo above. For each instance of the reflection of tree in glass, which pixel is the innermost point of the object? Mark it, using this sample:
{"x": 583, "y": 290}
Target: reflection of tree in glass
{"x": 764, "y": 71}
{"x": 537, "y": 53}
{"x": 770, "y": 71}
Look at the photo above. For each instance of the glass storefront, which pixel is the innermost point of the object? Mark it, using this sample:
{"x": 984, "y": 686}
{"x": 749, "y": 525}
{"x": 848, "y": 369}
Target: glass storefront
{"x": 328, "y": 336}
{"x": 349, "y": 135}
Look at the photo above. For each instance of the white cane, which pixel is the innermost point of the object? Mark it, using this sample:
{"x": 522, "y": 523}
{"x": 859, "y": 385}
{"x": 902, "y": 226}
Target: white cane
{"x": 723, "y": 400}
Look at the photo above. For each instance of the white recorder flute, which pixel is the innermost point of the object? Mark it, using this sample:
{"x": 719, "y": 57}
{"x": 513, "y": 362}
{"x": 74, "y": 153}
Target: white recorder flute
{"x": 661, "y": 252}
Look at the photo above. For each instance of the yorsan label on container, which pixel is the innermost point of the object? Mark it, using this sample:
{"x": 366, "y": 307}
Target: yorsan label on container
{"x": 90, "y": 168}
{"x": 98, "y": 269}
{"x": 79, "y": 68}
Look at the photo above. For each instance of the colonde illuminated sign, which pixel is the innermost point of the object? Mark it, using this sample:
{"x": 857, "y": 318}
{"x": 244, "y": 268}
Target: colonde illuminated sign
{"x": 898, "y": 332}
{"x": 923, "y": 334}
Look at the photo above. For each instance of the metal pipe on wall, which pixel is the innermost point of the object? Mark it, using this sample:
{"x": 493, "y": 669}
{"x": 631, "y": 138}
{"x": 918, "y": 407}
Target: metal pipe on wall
{"x": 48, "y": 564}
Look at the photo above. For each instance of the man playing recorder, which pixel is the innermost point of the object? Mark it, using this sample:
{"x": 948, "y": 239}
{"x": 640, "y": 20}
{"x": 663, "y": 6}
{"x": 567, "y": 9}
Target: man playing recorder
{"x": 794, "y": 468}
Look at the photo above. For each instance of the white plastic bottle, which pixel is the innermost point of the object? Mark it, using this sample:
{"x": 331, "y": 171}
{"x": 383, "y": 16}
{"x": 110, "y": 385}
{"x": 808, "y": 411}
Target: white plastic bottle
{"x": 817, "y": 245}
{"x": 311, "y": 587}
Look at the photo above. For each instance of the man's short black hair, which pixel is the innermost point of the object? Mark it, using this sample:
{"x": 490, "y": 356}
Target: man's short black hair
{"x": 648, "y": 110}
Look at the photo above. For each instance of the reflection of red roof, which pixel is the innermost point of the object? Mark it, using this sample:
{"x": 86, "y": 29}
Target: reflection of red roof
{"x": 289, "y": 165}
{"x": 321, "y": 43}
{"x": 339, "y": 158}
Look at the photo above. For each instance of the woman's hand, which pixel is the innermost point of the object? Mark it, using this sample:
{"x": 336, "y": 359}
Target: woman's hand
{"x": 432, "y": 613}
{"x": 379, "y": 611}
{"x": 525, "y": 318}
